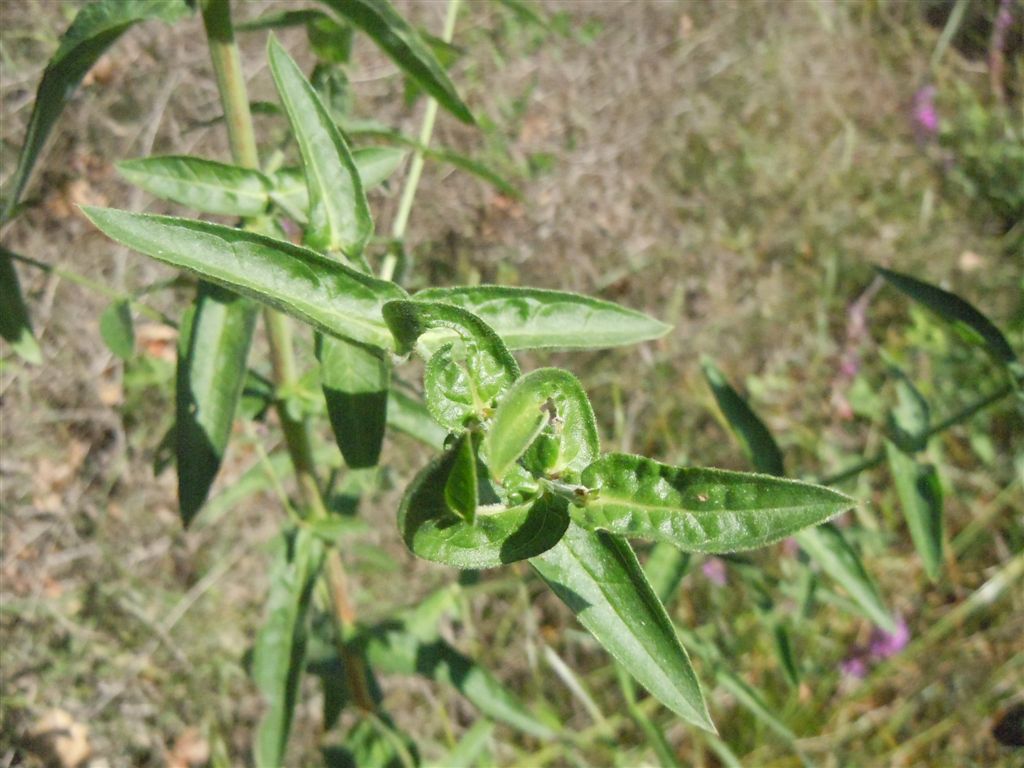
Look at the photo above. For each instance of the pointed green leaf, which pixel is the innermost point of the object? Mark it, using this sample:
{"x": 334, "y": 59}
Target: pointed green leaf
{"x": 355, "y": 379}
{"x": 460, "y": 489}
{"x": 757, "y": 442}
{"x": 392, "y": 649}
{"x": 920, "y": 494}
{"x": 462, "y": 381}
{"x": 546, "y": 408}
{"x": 379, "y": 20}
{"x": 203, "y": 185}
{"x": 15, "y": 326}
{"x": 910, "y": 420}
{"x": 599, "y": 578}
{"x": 665, "y": 568}
{"x": 117, "y": 329}
{"x": 375, "y": 166}
{"x": 95, "y": 28}
{"x": 411, "y": 417}
{"x": 500, "y": 535}
{"x": 962, "y": 315}
{"x": 279, "y": 652}
{"x": 281, "y": 19}
{"x": 534, "y": 318}
{"x": 829, "y": 548}
{"x": 697, "y": 509}
{"x": 339, "y": 217}
{"x": 213, "y": 346}
{"x": 330, "y": 296}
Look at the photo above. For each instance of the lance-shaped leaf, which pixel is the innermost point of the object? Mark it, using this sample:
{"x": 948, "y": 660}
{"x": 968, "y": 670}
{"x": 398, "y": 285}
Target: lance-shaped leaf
{"x": 757, "y": 442}
{"x": 829, "y": 548}
{"x": 94, "y": 29}
{"x": 910, "y": 419}
{"x": 339, "y": 216}
{"x": 213, "y": 346}
{"x": 279, "y": 652}
{"x": 697, "y": 509}
{"x": 962, "y": 315}
{"x": 920, "y": 494}
{"x": 598, "y": 577}
{"x": 375, "y": 166}
{"x": 355, "y": 380}
{"x": 117, "y": 329}
{"x": 535, "y": 318}
{"x": 460, "y": 489}
{"x": 330, "y": 296}
{"x": 499, "y": 535}
{"x": 203, "y": 185}
{"x": 379, "y": 20}
{"x": 15, "y": 326}
{"x": 462, "y": 381}
{"x": 826, "y": 544}
{"x": 548, "y": 409}
{"x": 392, "y": 649}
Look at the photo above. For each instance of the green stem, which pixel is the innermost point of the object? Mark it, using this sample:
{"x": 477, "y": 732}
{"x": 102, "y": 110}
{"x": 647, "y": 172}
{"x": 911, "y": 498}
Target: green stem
{"x": 227, "y": 67}
{"x": 960, "y": 416}
{"x": 412, "y": 182}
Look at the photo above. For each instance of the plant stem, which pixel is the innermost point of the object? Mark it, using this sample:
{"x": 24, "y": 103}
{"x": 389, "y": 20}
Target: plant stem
{"x": 960, "y": 416}
{"x": 227, "y": 67}
{"x": 412, "y": 182}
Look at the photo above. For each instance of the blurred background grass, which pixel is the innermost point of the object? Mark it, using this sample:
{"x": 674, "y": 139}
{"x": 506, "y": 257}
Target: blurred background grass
{"x": 732, "y": 168}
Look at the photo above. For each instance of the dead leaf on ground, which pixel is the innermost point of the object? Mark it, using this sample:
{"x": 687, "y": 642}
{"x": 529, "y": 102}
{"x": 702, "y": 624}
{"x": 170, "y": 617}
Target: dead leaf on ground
{"x": 59, "y": 740}
{"x": 190, "y": 749}
{"x": 157, "y": 340}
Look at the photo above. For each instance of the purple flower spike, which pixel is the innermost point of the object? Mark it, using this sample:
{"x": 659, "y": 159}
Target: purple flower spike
{"x": 884, "y": 645}
{"x": 925, "y": 115}
{"x": 855, "y": 666}
{"x": 714, "y": 571}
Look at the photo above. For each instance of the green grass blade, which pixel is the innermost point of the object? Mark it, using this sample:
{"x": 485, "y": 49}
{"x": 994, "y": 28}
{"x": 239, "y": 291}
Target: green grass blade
{"x": 214, "y": 341}
{"x": 95, "y": 28}
{"x": 328, "y": 295}
{"x": 598, "y": 577}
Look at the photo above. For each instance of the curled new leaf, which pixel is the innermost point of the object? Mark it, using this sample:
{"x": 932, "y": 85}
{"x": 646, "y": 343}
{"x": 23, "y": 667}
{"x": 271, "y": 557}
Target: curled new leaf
{"x": 463, "y": 380}
{"x": 700, "y": 510}
{"x": 548, "y": 409}
{"x": 534, "y": 318}
{"x": 499, "y": 535}
{"x": 330, "y": 296}
{"x": 460, "y": 489}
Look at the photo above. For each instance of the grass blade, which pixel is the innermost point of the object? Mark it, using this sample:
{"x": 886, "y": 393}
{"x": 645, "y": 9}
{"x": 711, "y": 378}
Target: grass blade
{"x": 920, "y": 494}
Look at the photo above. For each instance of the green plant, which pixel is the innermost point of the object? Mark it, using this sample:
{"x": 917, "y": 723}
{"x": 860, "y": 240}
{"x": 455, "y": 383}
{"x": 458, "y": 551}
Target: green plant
{"x": 521, "y": 477}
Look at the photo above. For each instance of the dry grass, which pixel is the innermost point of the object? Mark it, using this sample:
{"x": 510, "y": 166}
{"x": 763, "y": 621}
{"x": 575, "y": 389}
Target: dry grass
{"x": 733, "y": 169}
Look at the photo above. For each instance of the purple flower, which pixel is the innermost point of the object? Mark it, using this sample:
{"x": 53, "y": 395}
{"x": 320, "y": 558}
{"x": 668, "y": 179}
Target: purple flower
{"x": 882, "y": 645}
{"x": 924, "y": 113}
{"x": 855, "y": 666}
{"x": 714, "y": 571}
